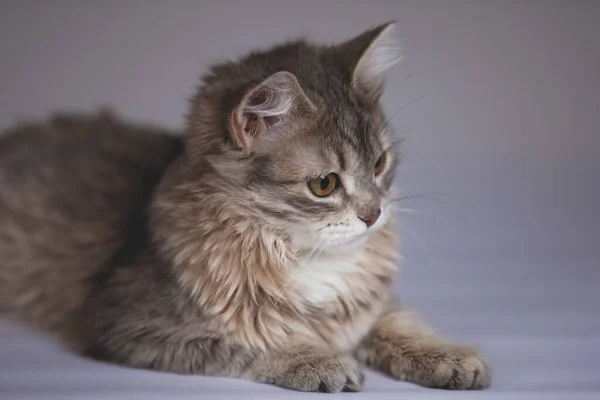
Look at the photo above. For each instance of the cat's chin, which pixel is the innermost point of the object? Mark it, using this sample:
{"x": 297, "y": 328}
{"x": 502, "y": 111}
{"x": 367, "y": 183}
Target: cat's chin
{"x": 344, "y": 248}
{"x": 350, "y": 246}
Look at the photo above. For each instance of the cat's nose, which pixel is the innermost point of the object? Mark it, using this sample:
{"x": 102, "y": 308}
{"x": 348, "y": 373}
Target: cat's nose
{"x": 371, "y": 218}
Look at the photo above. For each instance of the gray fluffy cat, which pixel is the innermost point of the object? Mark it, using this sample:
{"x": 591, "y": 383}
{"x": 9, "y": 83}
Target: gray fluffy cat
{"x": 258, "y": 244}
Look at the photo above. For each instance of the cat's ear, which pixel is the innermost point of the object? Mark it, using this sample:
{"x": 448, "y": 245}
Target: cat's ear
{"x": 268, "y": 107}
{"x": 369, "y": 55}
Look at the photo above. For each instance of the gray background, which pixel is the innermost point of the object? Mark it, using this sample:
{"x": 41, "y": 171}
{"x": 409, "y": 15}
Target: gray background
{"x": 498, "y": 102}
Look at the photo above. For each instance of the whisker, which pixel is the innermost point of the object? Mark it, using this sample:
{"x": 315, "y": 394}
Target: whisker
{"x": 389, "y": 120}
{"x": 428, "y": 196}
{"x": 412, "y": 211}
{"x": 403, "y": 224}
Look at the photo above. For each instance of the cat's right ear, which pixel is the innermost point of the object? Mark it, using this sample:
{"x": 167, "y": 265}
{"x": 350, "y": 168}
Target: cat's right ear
{"x": 266, "y": 109}
{"x": 369, "y": 55}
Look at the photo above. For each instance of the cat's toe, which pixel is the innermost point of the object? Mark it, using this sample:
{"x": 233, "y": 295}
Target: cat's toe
{"x": 324, "y": 374}
{"x": 460, "y": 368}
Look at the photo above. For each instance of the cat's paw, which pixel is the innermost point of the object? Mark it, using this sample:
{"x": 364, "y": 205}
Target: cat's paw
{"x": 328, "y": 374}
{"x": 446, "y": 366}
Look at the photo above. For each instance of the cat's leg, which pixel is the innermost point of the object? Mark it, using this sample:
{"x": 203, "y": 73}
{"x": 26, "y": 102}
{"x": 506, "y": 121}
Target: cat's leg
{"x": 299, "y": 367}
{"x": 402, "y": 346}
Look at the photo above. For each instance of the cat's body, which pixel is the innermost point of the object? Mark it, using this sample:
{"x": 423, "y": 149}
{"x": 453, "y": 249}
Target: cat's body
{"x": 208, "y": 253}
{"x": 71, "y": 190}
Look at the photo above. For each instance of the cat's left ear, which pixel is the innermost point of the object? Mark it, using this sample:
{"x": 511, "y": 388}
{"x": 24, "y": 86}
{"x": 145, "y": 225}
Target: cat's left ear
{"x": 267, "y": 108}
{"x": 369, "y": 55}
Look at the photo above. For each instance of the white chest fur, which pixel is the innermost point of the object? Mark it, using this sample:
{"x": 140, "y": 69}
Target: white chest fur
{"x": 348, "y": 291}
{"x": 322, "y": 280}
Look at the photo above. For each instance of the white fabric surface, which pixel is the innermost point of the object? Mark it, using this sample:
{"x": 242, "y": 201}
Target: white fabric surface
{"x": 536, "y": 322}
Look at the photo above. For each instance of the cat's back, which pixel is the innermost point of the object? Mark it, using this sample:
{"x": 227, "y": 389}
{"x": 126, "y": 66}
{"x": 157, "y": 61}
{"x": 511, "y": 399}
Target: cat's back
{"x": 70, "y": 189}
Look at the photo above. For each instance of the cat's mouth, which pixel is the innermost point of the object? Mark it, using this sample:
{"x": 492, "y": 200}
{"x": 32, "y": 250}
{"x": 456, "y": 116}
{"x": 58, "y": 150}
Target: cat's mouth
{"x": 360, "y": 238}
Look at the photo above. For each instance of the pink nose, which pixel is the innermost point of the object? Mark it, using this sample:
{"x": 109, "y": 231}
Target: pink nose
{"x": 372, "y": 218}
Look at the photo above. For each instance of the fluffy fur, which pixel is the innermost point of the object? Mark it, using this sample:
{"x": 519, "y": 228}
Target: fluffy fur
{"x": 207, "y": 253}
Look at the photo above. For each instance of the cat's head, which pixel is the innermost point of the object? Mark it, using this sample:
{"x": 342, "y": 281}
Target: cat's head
{"x": 298, "y": 133}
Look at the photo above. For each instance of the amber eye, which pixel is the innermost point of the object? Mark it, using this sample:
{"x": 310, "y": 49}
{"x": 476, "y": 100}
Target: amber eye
{"x": 324, "y": 185}
{"x": 380, "y": 164}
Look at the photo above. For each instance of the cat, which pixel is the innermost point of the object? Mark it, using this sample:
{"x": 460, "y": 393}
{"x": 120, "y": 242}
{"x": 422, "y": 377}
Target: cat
{"x": 257, "y": 244}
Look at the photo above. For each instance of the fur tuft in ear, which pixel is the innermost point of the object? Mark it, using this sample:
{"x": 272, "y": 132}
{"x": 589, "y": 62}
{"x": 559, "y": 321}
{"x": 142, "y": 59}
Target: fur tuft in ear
{"x": 370, "y": 54}
{"x": 267, "y": 106}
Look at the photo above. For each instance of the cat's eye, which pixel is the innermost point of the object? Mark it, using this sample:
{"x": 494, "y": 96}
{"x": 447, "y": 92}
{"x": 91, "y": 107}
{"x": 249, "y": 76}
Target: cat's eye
{"x": 380, "y": 164}
{"x": 324, "y": 185}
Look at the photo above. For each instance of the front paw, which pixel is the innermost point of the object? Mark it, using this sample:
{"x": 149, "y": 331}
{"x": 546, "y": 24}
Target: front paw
{"x": 328, "y": 374}
{"x": 445, "y": 366}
